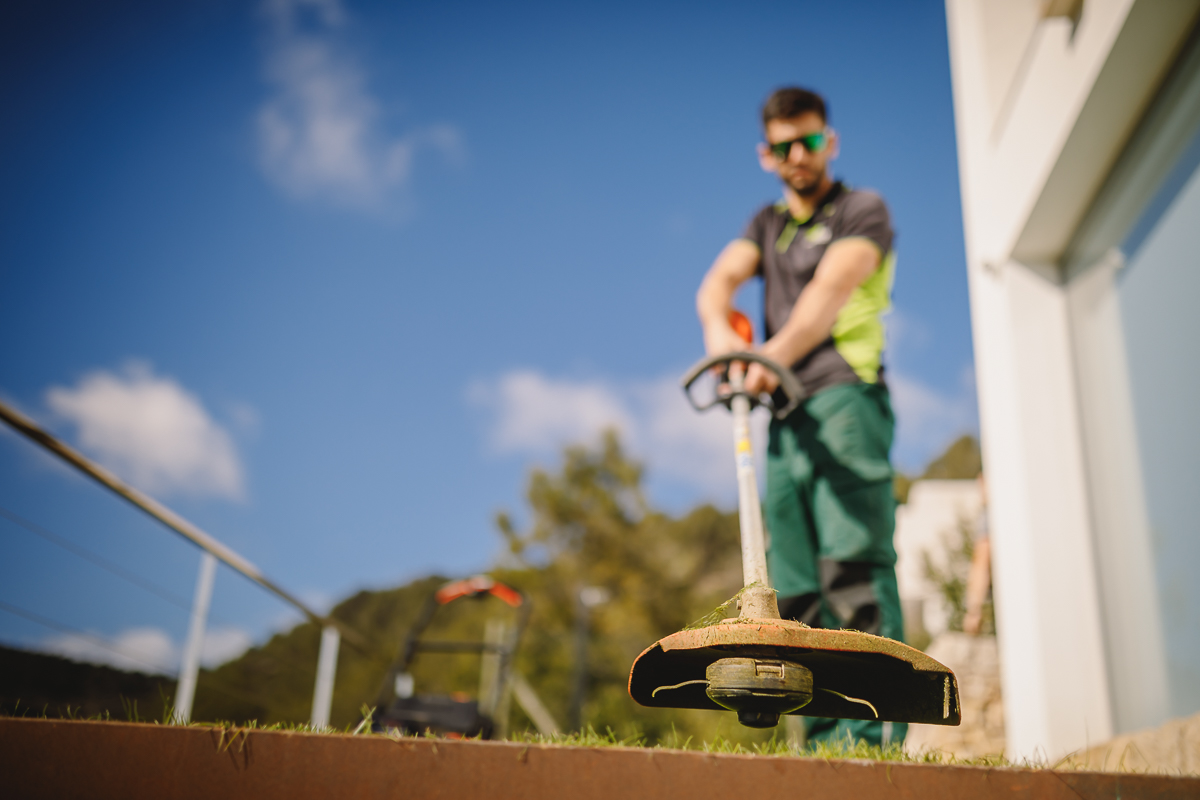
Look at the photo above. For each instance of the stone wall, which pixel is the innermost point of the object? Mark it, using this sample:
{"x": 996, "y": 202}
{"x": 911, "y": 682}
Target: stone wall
{"x": 1173, "y": 748}
{"x": 976, "y": 663}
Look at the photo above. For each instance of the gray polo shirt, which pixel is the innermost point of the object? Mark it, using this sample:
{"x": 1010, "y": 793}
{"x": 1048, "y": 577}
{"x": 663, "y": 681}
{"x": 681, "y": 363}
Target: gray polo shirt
{"x": 791, "y": 250}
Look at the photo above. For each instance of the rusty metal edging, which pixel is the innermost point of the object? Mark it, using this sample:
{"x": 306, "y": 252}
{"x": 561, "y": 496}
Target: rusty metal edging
{"x": 65, "y": 759}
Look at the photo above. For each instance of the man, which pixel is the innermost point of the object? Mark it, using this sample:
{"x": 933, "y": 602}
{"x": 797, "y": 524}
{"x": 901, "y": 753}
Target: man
{"x": 824, "y": 253}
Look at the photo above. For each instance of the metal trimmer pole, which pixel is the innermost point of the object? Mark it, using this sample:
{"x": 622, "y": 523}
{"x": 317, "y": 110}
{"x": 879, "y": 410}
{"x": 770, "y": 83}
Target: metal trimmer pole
{"x": 757, "y": 599}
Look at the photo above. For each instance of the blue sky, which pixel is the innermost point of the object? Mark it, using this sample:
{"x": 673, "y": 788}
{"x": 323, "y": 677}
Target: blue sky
{"x": 328, "y": 277}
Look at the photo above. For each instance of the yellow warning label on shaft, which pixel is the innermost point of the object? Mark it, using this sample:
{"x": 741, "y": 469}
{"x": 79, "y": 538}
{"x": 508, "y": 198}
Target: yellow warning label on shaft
{"x": 743, "y": 446}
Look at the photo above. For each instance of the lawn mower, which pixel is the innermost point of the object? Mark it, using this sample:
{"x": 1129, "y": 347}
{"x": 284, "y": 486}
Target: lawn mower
{"x": 457, "y": 714}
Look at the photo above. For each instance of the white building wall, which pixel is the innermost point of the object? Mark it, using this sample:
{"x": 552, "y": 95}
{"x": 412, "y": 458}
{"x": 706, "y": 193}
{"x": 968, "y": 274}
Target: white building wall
{"x": 1036, "y": 142}
{"x": 928, "y": 524}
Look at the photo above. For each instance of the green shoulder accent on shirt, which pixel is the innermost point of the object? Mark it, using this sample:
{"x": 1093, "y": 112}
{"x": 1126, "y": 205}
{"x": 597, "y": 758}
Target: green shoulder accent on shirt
{"x": 858, "y": 331}
{"x": 787, "y": 235}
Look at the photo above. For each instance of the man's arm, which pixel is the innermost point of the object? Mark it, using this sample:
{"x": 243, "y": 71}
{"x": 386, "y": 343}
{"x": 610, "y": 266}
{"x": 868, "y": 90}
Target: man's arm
{"x": 845, "y": 265}
{"x": 736, "y": 264}
{"x": 979, "y": 578}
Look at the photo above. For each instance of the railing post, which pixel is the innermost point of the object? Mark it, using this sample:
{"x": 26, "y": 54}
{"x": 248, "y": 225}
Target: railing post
{"x": 326, "y": 670}
{"x": 189, "y": 668}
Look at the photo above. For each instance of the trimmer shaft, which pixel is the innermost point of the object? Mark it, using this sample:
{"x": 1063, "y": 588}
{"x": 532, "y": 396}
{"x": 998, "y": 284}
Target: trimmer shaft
{"x": 759, "y": 689}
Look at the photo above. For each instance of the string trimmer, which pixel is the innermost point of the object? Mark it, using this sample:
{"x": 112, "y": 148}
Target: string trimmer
{"x": 761, "y": 666}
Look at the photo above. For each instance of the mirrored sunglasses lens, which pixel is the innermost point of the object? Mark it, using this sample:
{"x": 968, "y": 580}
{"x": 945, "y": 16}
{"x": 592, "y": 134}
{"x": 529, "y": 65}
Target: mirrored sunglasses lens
{"x": 814, "y": 142}
{"x": 781, "y": 149}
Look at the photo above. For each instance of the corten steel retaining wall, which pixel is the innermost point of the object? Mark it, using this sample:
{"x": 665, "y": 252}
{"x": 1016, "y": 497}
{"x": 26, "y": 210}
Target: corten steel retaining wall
{"x": 62, "y": 759}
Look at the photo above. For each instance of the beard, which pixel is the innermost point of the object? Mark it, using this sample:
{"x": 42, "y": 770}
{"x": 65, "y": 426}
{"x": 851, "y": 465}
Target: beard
{"x": 807, "y": 187}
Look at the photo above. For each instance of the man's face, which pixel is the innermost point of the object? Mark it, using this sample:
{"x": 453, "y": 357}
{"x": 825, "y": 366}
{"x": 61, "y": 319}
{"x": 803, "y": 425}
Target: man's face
{"x": 801, "y": 170}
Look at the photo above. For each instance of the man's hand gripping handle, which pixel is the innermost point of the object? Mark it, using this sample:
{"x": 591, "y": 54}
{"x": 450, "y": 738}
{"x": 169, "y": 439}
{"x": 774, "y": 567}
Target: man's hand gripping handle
{"x": 788, "y": 383}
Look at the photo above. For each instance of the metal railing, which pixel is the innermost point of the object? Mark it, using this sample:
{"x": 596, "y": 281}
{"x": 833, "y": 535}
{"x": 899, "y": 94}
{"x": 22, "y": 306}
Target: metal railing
{"x": 333, "y": 631}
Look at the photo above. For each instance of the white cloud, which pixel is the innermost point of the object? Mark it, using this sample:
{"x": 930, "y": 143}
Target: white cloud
{"x": 146, "y": 649}
{"x": 318, "y": 600}
{"x": 151, "y": 431}
{"x": 136, "y": 649}
{"x": 688, "y": 446}
{"x": 927, "y": 420}
{"x": 319, "y": 132}
{"x": 906, "y": 334}
{"x": 223, "y": 644}
{"x": 536, "y": 414}
{"x": 289, "y": 616}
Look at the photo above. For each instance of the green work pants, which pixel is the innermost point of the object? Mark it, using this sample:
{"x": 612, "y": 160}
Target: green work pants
{"x": 830, "y": 514}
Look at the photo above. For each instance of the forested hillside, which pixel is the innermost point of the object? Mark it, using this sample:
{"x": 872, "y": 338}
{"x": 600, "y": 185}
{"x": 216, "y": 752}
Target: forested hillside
{"x": 36, "y": 684}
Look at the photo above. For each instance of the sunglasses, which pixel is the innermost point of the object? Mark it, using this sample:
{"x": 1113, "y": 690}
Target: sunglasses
{"x": 813, "y": 143}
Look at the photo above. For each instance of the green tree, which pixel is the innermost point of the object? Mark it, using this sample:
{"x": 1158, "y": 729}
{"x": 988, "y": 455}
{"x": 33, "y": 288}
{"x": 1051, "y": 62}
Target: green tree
{"x": 949, "y": 575}
{"x": 592, "y": 527}
{"x": 962, "y": 460}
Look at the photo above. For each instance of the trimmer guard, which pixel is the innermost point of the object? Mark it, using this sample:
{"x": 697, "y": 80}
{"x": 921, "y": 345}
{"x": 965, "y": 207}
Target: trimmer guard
{"x": 901, "y": 682}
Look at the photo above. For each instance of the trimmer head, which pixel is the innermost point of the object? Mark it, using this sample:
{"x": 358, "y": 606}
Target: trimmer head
{"x": 759, "y": 689}
{"x": 762, "y": 668}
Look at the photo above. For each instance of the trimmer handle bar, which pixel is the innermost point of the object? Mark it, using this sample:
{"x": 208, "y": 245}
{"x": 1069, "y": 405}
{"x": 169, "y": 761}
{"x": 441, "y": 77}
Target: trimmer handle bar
{"x": 788, "y": 383}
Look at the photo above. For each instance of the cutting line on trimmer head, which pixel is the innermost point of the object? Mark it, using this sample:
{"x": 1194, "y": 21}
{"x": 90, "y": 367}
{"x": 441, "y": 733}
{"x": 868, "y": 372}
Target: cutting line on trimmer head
{"x": 761, "y": 666}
